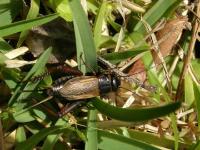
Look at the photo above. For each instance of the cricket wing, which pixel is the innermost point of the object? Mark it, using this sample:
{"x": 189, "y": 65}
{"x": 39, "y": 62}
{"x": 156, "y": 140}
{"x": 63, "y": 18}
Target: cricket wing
{"x": 80, "y": 88}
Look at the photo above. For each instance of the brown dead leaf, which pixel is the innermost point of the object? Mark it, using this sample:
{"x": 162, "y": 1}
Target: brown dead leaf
{"x": 137, "y": 70}
{"x": 56, "y": 34}
{"x": 169, "y": 36}
{"x": 165, "y": 124}
{"x": 1, "y": 137}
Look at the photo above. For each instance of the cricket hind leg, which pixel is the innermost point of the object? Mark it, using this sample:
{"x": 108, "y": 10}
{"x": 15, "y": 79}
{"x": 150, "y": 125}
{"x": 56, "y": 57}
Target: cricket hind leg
{"x": 60, "y": 70}
{"x": 69, "y": 107}
{"x": 56, "y": 70}
{"x": 62, "y": 80}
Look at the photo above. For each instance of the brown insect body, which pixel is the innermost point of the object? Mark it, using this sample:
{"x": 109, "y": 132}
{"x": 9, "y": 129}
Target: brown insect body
{"x": 80, "y": 88}
{"x": 85, "y": 87}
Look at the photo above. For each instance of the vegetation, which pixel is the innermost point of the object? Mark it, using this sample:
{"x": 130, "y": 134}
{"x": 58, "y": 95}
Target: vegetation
{"x": 154, "y": 43}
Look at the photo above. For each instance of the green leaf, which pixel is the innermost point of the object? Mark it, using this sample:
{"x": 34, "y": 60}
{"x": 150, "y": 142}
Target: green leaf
{"x": 153, "y": 139}
{"x": 11, "y": 76}
{"x": 26, "y": 24}
{"x": 195, "y": 68}
{"x": 9, "y": 9}
{"x": 4, "y": 46}
{"x": 24, "y": 117}
{"x": 154, "y": 78}
{"x": 138, "y": 39}
{"x": 109, "y": 141}
{"x": 189, "y": 91}
{"x": 36, "y": 138}
{"x": 28, "y": 114}
{"x": 155, "y": 13}
{"x": 20, "y": 135}
{"x": 33, "y": 13}
{"x": 63, "y": 8}
{"x": 136, "y": 114}
{"x": 197, "y": 97}
{"x": 52, "y": 139}
{"x": 92, "y": 142}
{"x": 195, "y": 146}
{"x": 93, "y": 6}
{"x": 99, "y": 23}
{"x": 36, "y": 70}
{"x": 86, "y": 56}
{"x": 84, "y": 41}
{"x": 117, "y": 57}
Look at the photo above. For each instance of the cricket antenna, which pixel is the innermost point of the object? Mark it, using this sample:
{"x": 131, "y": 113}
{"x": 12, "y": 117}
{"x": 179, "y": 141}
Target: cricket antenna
{"x": 103, "y": 62}
{"x": 38, "y": 90}
{"x": 127, "y": 89}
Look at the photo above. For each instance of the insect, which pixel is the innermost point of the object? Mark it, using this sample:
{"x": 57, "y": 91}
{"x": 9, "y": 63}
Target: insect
{"x": 85, "y": 87}
{"x": 78, "y": 88}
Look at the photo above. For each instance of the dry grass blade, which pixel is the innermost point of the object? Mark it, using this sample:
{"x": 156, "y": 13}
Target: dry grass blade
{"x": 1, "y": 137}
{"x": 189, "y": 55}
{"x": 130, "y": 5}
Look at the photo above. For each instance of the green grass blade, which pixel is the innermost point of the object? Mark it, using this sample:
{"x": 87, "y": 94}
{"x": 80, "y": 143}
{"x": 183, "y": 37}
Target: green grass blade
{"x": 175, "y": 131}
{"x": 9, "y": 9}
{"x": 20, "y": 135}
{"x": 167, "y": 99}
{"x": 33, "y": 13}
{"x": 155, "y": 13}
{"x": 25, "y": 116}
{"x": 36, "y": 138}
{"x": 196, "y": 146}
{"x": 84, "y": 39}
{"x": 85, "y": 47}
{"x": 152, "y": 138}
{"x": 62, "y": 7}
{"x": 36, "y": 70}
{"x": 92, "y": 141}
{"x": 52, "y": 139}
{"x": 109, "y": 140}
{"x": 4, "y": 46}
{"x": 117, "y": 57}
{"x": 189, "y": 91}
{"x": 197, "y": 97}
{"x": 99, "y": 23}
{"x": 24, "y": 25}
{"x": 135, "y": 114}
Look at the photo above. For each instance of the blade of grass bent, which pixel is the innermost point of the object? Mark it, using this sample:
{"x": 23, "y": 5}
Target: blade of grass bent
{"x": 135, "y": 114}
